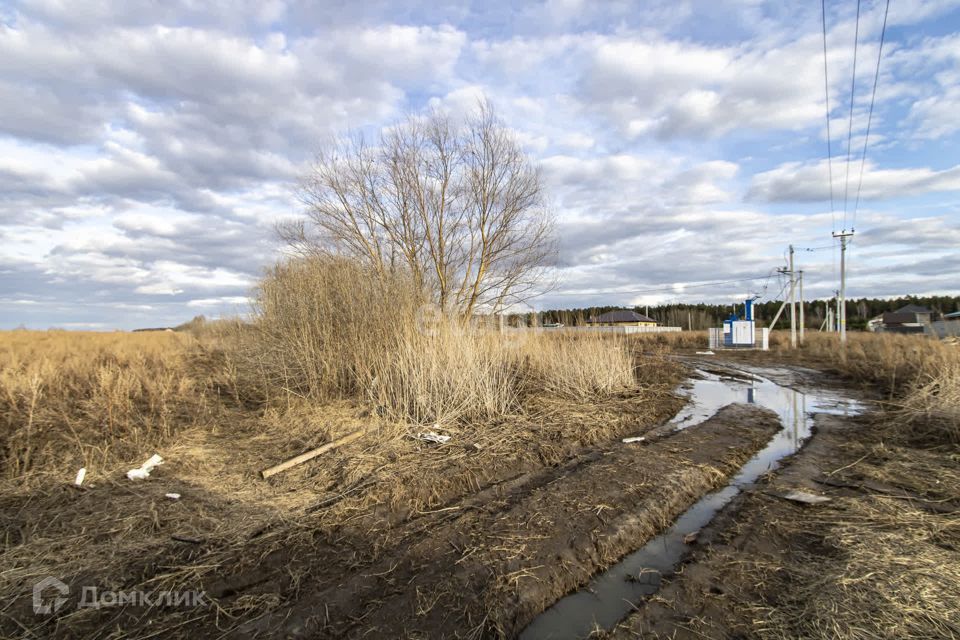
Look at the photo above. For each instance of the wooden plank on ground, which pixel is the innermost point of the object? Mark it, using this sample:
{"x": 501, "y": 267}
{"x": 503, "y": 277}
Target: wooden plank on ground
{"x": 309, "y": 455}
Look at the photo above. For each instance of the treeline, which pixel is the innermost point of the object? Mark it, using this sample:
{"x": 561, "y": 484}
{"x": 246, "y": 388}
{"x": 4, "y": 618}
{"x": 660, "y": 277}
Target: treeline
{"x": 702, "y": 316}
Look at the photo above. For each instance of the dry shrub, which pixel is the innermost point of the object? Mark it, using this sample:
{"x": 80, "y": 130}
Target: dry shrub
{"x": 889, "y": 362}
{"x": 69, "y": 398}
{"x": 579, "y": 366}
{"x": 321, "y": 323}
{"x": 452, "y": 374}
{"x": 931, "y": 408}
{"x": 446, "y": 375}
{"x": 329, "y": 327}
{"x": 672, "y": 339}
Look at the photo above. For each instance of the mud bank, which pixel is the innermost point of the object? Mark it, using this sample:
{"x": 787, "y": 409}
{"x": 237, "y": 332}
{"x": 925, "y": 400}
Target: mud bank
{"x": 490, "y": 569}
{"x": 611, "y": 595}
{"x": 880, "y": 559}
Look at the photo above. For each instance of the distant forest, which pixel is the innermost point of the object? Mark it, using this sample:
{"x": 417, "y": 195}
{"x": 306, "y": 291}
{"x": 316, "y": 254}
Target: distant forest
{"x": 702, "y": 316}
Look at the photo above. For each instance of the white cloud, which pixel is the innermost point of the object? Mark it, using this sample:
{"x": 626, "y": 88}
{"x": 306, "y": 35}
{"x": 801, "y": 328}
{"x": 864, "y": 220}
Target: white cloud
{"x": 219, "y": 302}
{"x": 810, "y": 182}
{"x": 147, "y": 148}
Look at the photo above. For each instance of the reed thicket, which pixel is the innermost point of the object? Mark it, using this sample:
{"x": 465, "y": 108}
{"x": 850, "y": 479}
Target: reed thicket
{"x": 327, "y": 327}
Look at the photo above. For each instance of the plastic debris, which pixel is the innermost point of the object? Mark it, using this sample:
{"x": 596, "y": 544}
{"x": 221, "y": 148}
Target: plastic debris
{"x": 144, "y": 471}
{"x": 432, "y": 436}
{"x": 691, "y": 537}
{"x": 706, "y": 353}
{"x": 633, "y": 439}
{"x": 172, "y": 496}
{"x": 81, "y": 474}
{"x": 804, "y": 497}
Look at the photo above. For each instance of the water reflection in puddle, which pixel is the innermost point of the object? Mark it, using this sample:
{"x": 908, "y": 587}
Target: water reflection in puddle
{"x": 611, "y": 595}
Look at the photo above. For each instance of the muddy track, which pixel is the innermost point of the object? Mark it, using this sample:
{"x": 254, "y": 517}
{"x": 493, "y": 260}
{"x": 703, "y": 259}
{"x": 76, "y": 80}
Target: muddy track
{"x": 489, "y": 564}
{"x": 701, "y": 600}
{"x": 771, "y": 567}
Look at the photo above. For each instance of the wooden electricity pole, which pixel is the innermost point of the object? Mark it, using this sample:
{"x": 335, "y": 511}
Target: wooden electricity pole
{"x": 843, "y": 235}
{"x": 801, "y": 307}
{"x": 793, "y": 303}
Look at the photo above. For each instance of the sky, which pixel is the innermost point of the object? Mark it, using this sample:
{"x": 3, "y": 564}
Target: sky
{"x": 147, "y": 149}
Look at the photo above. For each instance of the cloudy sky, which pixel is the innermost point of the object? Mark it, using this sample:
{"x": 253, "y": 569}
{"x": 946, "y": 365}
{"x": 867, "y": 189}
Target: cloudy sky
{"x": 147, "y": 148}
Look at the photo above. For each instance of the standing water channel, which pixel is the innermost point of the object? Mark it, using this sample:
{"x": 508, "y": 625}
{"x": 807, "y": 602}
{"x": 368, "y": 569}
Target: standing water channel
{"x": 611, "y": 595}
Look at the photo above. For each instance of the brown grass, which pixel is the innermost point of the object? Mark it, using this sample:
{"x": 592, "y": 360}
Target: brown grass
{"x": 72, "y": 399}
{"x": 328, "y": 328}
{"x": 108, "y": 401}
{"x": 884, "y": 565}
{"x": 889, "y": 362}
{"x": 918, "y": 377}
{"x": 671, "y": 340}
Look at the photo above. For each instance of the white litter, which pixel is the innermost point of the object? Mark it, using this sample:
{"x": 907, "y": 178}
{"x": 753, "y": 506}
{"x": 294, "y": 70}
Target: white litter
{"x": 805, "y": 498}
{"x": 172, "y": 496}
{"x": 633, "y": 439}
{"x": 706, "y": 353}
{"x": 432, "y": 436}
{"x": 144, "y": 471}
{"x": 80, "y": 476}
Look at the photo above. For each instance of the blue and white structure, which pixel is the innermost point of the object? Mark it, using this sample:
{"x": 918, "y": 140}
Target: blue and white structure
{"x": 740, "y": 333}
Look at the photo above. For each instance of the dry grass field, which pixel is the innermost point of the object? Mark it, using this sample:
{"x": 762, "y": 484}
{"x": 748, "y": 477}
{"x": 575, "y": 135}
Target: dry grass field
{"x": 224, "y": 401}
{"x": 533, "y": 472}
{"x": 72, "y": 399}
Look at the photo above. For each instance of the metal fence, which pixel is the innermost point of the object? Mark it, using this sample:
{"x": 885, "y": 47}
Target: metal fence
{"x": 612, "y": 330}
{"x": 944, "y": 328}
{"x": 762, "y": 341}
{"x": 623, "y": 330}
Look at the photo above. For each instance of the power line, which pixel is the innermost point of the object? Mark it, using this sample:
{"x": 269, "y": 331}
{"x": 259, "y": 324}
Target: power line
{"x": 853, "y": 86}
{"x": 876, "y": 77}
{"x": 826, "y": 94}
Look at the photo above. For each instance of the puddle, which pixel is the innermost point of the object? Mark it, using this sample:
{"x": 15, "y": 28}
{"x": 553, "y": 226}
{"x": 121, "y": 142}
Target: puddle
{"x": 609, "y": 596}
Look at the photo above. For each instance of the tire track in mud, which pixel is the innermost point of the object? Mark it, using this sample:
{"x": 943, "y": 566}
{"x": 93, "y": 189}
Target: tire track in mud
{"x": 489, "y": 565}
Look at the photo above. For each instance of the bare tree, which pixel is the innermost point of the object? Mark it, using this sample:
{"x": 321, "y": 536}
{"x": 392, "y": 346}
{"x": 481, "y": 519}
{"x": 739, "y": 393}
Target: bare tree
{"x": 457, "y": 204}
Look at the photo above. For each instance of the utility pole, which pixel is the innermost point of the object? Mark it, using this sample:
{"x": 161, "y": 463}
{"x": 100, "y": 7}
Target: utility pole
{"x": 836, "y": 313}
{"x": 843, "y": 235}
{"x": 793, "y": 305}
{"x": 801, "y": 307}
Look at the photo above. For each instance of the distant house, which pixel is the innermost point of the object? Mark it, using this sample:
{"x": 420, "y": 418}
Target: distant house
{"x": 921, "y": 315}
{"x": 621, "y": 318}
{"x": 909, "y": 319}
